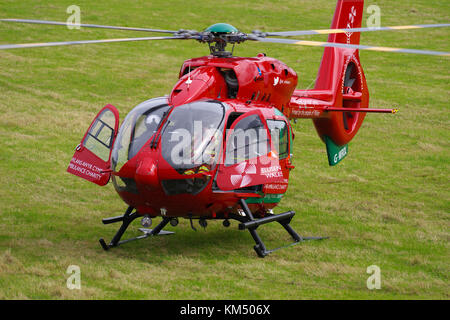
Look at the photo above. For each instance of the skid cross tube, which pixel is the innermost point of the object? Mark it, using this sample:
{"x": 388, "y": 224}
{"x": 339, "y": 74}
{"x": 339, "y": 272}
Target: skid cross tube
{"x": 126, "y": 219}
{"x": 282, "y": 218}
{"x": 251, "y": 224}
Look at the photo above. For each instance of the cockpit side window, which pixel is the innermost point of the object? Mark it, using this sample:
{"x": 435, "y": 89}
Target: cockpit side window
{"x": 146, "y": 125}
{"x": 137, "y": 128}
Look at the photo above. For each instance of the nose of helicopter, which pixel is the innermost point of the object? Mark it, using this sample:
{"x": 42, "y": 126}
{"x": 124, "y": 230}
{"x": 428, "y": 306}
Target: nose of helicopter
{"x": 147, "y": 174}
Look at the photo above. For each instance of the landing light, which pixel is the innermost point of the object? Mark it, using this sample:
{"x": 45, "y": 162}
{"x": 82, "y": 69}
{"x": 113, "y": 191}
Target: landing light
{"x": 146, "y": 221}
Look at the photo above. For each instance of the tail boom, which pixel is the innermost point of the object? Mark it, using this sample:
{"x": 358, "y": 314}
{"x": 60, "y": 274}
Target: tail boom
{"x": 306, "y": 104}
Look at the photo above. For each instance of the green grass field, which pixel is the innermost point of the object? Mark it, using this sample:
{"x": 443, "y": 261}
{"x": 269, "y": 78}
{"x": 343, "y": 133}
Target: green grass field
{"x": 387, "y": 204}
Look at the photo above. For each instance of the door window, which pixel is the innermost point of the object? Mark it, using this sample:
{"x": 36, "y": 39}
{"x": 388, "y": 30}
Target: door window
{"x": 91, "y": 160}
{"x": 101, "y": 135}
{"x": 248, "y": 140}
{"x": 249, "y": 161}
{"x": 280, "y": 137}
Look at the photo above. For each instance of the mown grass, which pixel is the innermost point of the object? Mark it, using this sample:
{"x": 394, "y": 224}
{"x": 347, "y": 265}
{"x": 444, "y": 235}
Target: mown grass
{"x": 387, "y": 204}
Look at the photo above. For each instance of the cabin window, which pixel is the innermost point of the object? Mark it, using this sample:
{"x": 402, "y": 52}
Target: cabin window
{"x": 279, "y": 133}
{"x": 137, "y": 128}
{"x": 248, "y": 140}
{"x": 146, "y": 125}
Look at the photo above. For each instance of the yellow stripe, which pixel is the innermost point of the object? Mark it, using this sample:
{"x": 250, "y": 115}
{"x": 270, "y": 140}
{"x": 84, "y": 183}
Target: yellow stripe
{"x": 31, "y": 44}
{"x": 310, "y": 43}
{"x": 382, "y": 49}
{"x": 405, "y": 27}
{"x": 328, "y": 31}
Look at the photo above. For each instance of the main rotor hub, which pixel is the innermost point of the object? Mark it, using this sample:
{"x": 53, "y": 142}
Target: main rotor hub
{"x": 219, "y": 35}
{"x": 221, "y": 28}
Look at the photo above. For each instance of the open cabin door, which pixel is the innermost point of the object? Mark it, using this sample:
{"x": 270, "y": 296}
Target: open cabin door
{"x": 249, "y": 158}
{"x": 91, "y": 160}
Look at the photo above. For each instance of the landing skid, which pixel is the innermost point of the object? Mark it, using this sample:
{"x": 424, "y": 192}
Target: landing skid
{"x": 251, "y": 224}
{"x": 126, "y": 219}
{"x": 247, "y": 222}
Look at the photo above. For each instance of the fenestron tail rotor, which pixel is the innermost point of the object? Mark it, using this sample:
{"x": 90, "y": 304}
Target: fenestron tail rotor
{"x": 348, "y": 83}
{"x": 219, "y": 35}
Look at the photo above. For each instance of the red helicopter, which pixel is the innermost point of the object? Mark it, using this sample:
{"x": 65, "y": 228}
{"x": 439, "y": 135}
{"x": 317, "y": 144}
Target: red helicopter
{"x": 219, "y": 146}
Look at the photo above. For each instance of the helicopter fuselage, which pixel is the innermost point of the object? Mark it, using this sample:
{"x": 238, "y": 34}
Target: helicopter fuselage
{"x": 219, "y": 145}
{"x": 238, "y": 90}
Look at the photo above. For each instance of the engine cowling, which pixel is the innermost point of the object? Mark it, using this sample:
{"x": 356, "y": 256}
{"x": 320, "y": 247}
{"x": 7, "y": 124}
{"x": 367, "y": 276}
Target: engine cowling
{"x": 202, "y": 82}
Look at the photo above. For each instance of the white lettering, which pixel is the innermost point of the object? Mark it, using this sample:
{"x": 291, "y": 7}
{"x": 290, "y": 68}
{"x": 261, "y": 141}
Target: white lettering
{"x": 74, "y": 281}
{"x": 374, "y": 20}
{"x": 197, "y": 310}
{"x": 73, "y": 22}
{"x": 374, "y": 281}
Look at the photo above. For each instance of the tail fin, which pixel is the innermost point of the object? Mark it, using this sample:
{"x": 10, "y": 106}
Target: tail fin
{"x": 341, "y": 75}
{"x": 348, "y": 14}
{"x": 340, "y": 98}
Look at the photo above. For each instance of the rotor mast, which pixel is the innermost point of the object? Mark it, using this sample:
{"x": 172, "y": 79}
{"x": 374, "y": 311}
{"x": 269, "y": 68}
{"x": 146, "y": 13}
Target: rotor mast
{"x": 218, "y": 36}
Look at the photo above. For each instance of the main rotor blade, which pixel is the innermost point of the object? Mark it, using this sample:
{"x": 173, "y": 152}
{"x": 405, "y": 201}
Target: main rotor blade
{"x": 352, "y": 30}
{"x": 352, "y": 46}
{"x": 57, "y": 23}
{"x": 69, "y": 43}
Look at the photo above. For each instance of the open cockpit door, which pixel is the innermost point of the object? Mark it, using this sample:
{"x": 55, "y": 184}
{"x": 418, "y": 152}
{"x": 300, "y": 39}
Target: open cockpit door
{"x": 249, "y": 158}
{"x": 91, "y": 160}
